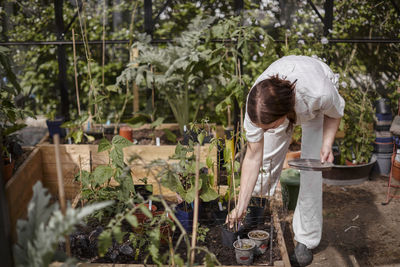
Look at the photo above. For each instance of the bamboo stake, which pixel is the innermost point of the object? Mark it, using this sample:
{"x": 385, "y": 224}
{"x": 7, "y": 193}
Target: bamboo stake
{"x": 196, "y": 205}
{"x": 61, "y": 190}
{"x": 76, "y": 73}
{"x": 229, "y": 116}
{"x": 103, "y": 44}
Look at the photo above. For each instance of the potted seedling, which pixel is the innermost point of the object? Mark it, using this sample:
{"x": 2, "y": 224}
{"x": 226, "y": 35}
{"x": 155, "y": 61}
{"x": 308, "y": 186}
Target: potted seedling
{"x": 260, "y": 238}
{"x": 54, "y": 123}
{"x": 180, "y": 178}
{"x": 76, "y": 129}
{"x": 244, "y": 251}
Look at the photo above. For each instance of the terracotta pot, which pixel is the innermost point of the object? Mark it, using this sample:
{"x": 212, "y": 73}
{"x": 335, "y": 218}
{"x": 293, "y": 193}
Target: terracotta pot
{"x": 141, "y": 217}
{"x": 8, "y": 169}
{"x": 396, "y": 170}
{"x": 289, "y": 156}
{"x": 126, "y": 132}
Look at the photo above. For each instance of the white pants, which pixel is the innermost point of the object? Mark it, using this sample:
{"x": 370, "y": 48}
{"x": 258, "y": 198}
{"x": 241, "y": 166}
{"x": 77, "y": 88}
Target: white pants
{"x": 307, "y": 220}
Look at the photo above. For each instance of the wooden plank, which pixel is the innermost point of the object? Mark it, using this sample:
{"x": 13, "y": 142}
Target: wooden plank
{"x": 19, "y": 188}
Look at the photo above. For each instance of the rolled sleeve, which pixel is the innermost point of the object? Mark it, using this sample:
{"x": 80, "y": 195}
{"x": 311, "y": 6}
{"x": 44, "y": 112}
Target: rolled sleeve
{"x": 332, "y": 103}
{"x": 253, "y": 133}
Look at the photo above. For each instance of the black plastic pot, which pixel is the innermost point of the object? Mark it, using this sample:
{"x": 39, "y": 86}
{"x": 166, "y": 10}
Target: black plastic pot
{"x": 191, "y": 135}
{"x": 54, "y": 127}
{"x": 254, "y": 217}
{"x": 382, "y": 106}
{"x": 228, "y": 236}
{"x": 384, "y": 116}
{"x": 382, "y": 128}
{"x": 219, "y": 216}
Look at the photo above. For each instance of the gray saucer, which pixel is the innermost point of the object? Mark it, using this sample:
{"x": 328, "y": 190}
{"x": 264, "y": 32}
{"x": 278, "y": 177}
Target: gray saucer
{"x": 310, "y": 165}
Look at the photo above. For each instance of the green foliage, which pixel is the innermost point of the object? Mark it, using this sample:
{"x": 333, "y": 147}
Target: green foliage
{"x": 357, "y": 125}
{"x": 177, "y": 71}
{"x": 96, "y": 185}
{"x": 202, "y": 233}
{"x": 39, "y": 235}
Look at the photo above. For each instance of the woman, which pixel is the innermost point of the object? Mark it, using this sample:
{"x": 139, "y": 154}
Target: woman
{"x": 292, "y": 90}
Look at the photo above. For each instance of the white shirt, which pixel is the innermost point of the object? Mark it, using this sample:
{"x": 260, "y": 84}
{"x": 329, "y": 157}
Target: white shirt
{"x": 316, "y": 91}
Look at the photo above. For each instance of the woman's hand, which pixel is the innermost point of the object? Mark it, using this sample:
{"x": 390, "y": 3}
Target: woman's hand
{"x": 326, "y": 154}
{"x": 235, "y": 216}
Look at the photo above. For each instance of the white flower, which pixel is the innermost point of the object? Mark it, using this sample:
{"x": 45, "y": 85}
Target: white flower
{"x": 301, "y": 42}
{"x": 260, "y": 53}
{"x": 324, "y": 40}
{"x": 198, "y": 4}
{"x": 275, "y": 9}
{"x": 263, "y": 45}
{"x": 343, "y": 84}
{"x": 254, "y": 57}
{"x": 311, "y": 35}
{"x": 276, "y": 25}
{"x": 298, "y": 33}
{"x": 261, "y": 37}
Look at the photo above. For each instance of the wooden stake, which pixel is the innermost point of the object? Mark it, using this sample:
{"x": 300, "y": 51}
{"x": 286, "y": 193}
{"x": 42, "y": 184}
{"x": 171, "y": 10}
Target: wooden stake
{"x": 196, "y": 204}
{"x": 103, "y": 38}
{"x": 61, "y": 190}
{"x": 229, "y": 116}
{"x": 76, "y": 73}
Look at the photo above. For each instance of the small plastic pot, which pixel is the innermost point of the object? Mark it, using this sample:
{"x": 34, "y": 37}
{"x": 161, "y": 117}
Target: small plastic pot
{"x": 126, "y": 132}
{"x": 261, "y": 238}
{"x": 255, "y": 216}
{"x": 219, "y": 216}
{"x": 54, "y": 127}
{"x": 228, "y": 236}
{"x": 245, "y": 251}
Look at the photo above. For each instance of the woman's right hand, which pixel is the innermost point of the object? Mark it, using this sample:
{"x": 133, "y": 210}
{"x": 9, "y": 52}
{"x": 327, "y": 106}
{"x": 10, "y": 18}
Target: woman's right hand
{"x": 236, "y": 215}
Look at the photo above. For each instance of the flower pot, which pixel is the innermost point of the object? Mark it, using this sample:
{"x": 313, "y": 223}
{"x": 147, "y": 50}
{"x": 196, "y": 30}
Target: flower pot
{"x": 244, "y": 251}
{"x": 8, "y": 169}
{"x": 54, "y": 127}
{"x": 141, "y": 217}
{"x": 383, "y": 147}
{"x": 228, "y": 236}
{"x": 396, "y": 170}
{"x": 255, "y": 216}
{"x": 348, "y": 175}
{"x": 384, "y": 117}
{"x": 383, "y": 163}
{"x": 219, "y": 216}
{"x": 185, "y": 216}
{"x": 382, "y": 106}
{"x": 126, "y": 132}
{"x": 261, "y": 238}
{"x": 290, "y": 182}
{"x": 289, "y": 156}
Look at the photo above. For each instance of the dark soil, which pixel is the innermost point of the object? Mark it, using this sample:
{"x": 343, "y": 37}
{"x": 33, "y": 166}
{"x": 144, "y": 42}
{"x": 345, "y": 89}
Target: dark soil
{"x": 84, "y": 243}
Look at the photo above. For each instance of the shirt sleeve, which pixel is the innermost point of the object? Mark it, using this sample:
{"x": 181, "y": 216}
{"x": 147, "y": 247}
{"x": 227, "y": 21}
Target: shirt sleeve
{"x": 332, "y": 103}
{"x": 253, "y": 133}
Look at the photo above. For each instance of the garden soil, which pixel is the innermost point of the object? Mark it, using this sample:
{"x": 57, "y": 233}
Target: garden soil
{"x": 358, "y": 230}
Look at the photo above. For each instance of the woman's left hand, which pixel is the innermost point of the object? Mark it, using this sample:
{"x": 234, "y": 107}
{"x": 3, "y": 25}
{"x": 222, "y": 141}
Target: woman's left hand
{"x": 326, "y": 154}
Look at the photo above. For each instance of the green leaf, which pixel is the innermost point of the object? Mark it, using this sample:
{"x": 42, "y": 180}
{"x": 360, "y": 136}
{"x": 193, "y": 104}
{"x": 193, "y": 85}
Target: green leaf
{"x": 157, "y": 122}
{"x": 105, "y": 242}
{"x": 132, "y": 220}
{"x": 90, "y": 138}
{"x": 209, "y": 162}
{"x": 77, "y": 135}
{"x": 119, "y": 140}
{"x": 102, "y": 174}
{"x": 145, "y": 211}
{"x": 170, "y": 135}
{"x": 118, "y": 234}
{"x": 104, "y": 145}
{"x": 200, "y": 138}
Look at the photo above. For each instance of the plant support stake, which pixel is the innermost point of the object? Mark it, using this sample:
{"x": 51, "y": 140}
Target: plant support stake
{"x": 61, "y": 191}
{"x": 196, "y": 204}
{"x": 76, "y": 73}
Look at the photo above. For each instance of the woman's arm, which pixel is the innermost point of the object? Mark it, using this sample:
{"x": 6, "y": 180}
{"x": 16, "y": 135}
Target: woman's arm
{"x": 330, "y": 127}
{"x": 250, "y": 170}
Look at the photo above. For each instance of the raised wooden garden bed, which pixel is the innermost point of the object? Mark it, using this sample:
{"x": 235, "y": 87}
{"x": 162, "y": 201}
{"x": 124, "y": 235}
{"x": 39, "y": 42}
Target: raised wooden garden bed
{"x": 41, "y": 165}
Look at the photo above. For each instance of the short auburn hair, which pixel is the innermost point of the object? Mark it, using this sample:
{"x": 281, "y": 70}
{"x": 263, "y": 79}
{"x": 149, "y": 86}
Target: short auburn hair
{"x": 270, "y": 100}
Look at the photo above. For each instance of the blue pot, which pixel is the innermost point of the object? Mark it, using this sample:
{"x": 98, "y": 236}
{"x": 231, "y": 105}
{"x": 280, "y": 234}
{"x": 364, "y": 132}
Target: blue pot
{"x": 384, "y": 117}
{"x": 54, "y": 127}
{"x": 185, "y": 218}
{"x": 384, "y": 140}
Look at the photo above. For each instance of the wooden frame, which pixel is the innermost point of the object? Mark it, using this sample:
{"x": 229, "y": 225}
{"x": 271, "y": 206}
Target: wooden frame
{"x": 40, "y": 166}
